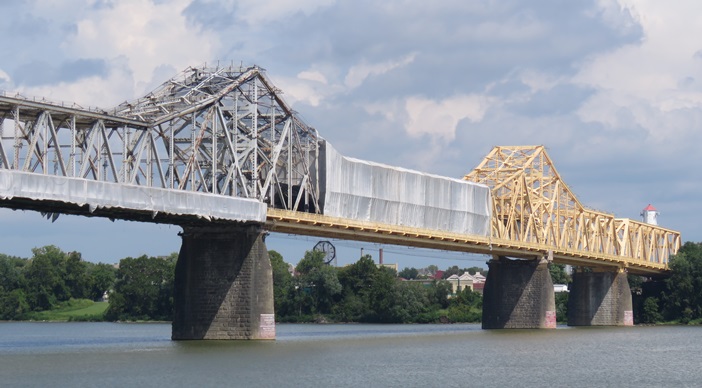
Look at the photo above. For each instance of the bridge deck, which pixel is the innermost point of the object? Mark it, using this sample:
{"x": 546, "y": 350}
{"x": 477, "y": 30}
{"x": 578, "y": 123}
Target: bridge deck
{"x": 292, "y": 222}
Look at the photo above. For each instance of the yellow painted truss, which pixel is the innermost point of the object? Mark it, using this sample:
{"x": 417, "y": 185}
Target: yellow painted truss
{"x": 532, "y": 204}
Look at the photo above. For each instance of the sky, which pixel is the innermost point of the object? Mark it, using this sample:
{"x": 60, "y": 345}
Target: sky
{"x": 612, "y": 88}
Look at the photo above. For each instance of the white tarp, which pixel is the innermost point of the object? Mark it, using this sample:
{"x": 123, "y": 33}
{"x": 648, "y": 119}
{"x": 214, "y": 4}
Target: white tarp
{"x": 367, "y": 191}
{"x": 113, "y": 195}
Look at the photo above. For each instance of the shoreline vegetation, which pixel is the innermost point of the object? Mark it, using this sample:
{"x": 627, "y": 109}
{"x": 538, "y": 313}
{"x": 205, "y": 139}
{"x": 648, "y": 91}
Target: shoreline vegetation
{"x": 54, "y": 286}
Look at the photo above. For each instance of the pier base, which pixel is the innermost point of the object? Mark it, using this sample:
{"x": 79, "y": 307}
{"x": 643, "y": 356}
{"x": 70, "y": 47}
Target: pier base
{"x": 518, "y": 294}
{"x": 600, "y": 299}
{"x": 223, "y": 285}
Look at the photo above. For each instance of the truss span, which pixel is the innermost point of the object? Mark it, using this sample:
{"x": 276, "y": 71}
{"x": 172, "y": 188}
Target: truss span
{"x": 533, "y": 205}
{"x": 222, "y": 131}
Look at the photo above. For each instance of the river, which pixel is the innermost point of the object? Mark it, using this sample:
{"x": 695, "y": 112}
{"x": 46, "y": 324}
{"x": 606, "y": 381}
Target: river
{"x": 351, "y": 355}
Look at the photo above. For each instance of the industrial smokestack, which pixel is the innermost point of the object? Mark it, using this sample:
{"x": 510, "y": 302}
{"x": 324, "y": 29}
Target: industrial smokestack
{"x": 380, "y": 256}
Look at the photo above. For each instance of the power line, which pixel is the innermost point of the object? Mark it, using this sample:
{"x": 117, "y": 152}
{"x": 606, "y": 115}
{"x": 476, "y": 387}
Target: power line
{"x": 437, "y": 254}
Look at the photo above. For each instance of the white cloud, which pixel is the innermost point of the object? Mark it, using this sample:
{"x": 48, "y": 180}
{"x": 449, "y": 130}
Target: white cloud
{"x": 357, "y": 74}
{"x": 100, "y": 92}
{"x": 649, "y": 82}
{"x": 439, "y": 119}
{"x": 148, "y": 34}
{"x": 311, "y": 75}
{"x": 258, "y": 11}
{"x": 309, "y": 86}
{"x": 4, "y": 77}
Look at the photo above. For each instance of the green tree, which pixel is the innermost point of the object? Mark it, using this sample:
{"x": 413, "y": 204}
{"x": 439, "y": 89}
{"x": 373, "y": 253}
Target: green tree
{"x": 468, "y": 297}
{"x": 45, "y": 276}
{"x": 13, "y": 305}
{"x": 438, "y": 293}
{"x": 356, "y": 281}
{"x": 651, "y": 312}
{"x": 382, "y": 297}
{"x": 683, "y": 298}
{"x": 410, "y": 302}
{"x": 11, "y": 272}
{"x": 101, "y": 278}
{"x": 357, "y": 278}
{"x": 282, "y": 280}
{"x": 559, "y": 274}
{"x": 561, "y": 306}
{"x": 13, "y": 302}
{"x": 454, "y": 270}
{"x": 409, "y": 273}
{"x": 143, "y": 289}
{"x": 317, "y": 284}
{"x": 474, "y": 270}
{"x": 76, "y": 276}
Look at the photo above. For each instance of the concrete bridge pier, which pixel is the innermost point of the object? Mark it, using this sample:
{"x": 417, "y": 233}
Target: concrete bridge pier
{"x": 600, "y": 298}
{"x": 223, "y": 285}
{"x": 518, "y": 294}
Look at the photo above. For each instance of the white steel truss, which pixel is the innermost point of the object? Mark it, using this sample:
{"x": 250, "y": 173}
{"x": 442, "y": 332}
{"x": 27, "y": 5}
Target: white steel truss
{"x": 221, "y": 130}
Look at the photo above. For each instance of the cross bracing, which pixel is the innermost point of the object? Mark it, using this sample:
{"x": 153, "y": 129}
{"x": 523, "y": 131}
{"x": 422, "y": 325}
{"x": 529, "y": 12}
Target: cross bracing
{"x": 222, "y": 130}
{"x": 532, "y": 204}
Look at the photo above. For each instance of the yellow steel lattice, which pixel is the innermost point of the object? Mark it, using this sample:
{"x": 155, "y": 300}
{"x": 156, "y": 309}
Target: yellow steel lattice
{"x": 532, "y": 204}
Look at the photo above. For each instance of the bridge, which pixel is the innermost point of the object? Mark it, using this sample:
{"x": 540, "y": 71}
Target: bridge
{"x": 217, "y": 151}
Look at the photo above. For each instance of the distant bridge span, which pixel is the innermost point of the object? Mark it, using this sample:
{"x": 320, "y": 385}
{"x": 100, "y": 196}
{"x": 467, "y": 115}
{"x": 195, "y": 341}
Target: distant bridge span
{"x": 220, "y": 147}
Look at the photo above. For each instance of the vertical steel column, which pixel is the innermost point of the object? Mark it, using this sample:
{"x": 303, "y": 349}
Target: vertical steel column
{"x": 271, "y": 185}
{"x": 193, "y": 153}
{"x": 72, "y": 157}
{"x": 171, "y": 161}
{"x": 98, "y": 152}
{"x": 149, "y": 157}
{"x": 45, "y": 152}
{"x": 18, "y": 144}
{"x": 214, "y": 149}
{"x": 291, "y": 128}
{"x": 254, "y": 132}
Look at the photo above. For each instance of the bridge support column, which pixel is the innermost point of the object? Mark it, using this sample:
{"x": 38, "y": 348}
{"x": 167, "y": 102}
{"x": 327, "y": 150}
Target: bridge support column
{"x": 600, "y": 299}
{"x": 518, "y": 294}
{"x": 223, "y": 285}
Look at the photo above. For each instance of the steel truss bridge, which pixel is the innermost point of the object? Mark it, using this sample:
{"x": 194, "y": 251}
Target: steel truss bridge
{"x": 213, "y": 134}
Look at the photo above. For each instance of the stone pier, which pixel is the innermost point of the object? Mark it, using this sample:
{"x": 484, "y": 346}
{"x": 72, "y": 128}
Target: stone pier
{"x": 600, "y": 298}
{"x": 223, "y": 285}
{"x": 518, "y": 294}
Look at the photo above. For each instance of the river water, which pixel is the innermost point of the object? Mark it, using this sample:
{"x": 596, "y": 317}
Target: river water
{"x": 353, "y": 355}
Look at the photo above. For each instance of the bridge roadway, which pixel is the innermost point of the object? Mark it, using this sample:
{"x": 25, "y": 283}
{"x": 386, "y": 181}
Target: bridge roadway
{"x": 217, "y": 151}
{"x": 319, "y": 225}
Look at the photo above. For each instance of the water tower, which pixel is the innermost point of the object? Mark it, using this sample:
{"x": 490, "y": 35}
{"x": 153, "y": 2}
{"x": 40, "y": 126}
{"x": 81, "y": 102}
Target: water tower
{"x": 650, "y": 215}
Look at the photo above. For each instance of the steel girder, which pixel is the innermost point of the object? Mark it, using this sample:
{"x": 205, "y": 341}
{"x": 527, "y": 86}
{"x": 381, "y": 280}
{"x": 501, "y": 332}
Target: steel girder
{"x": 222, "y": 130}
{"x": 532, "y": 204}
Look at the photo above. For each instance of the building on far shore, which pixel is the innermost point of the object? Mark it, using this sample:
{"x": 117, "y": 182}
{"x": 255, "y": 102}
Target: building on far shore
{"x": 458, "y": 283}
{"x": 473, "y": 282}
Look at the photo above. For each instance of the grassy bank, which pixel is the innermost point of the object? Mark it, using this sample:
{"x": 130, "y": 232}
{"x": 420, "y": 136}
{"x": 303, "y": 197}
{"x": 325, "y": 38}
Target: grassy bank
{"x": 72, "y": 310}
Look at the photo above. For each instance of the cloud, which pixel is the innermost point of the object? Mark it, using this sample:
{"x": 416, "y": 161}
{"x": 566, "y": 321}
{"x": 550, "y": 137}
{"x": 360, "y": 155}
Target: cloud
{"x": 44, "y": 73}
{"x": 656, "y": 83}
{"x": 358, "y": 73}
{"x": 101, "y": 91}
{"x": 4, "y": 77}
{"x": 439, "y": 119}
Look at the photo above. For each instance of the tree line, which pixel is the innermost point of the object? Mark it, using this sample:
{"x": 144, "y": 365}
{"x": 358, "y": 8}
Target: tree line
{"x": 46, "y": 280}
{"x": 364, "y": 292}
{"x": 142, "y": 289}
